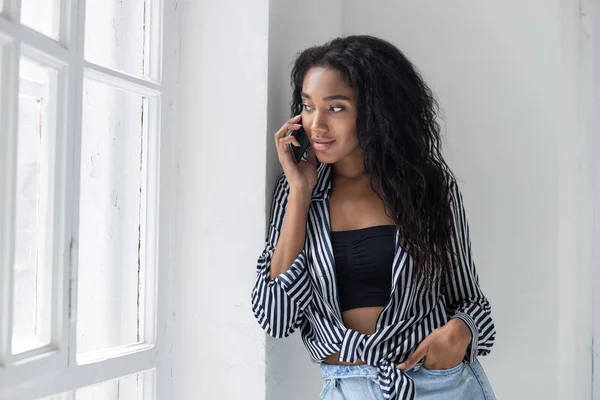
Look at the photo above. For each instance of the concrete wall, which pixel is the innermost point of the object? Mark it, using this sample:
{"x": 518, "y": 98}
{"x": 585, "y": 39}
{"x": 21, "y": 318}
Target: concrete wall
{"x": 217, "y": 350}
{"x": 509, "y": 77}
{"x": 595, "y": 145}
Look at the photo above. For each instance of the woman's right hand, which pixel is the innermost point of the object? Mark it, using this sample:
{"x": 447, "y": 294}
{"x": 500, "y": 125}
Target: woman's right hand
{"x": 301, "y": 177}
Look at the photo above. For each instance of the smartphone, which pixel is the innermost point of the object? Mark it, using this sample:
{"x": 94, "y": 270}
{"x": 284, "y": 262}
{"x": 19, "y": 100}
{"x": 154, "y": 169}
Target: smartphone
{"x": 304, "y": 141}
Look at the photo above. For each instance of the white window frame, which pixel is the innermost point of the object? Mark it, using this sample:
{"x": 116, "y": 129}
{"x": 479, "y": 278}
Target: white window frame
{"x": 54, "y": 369}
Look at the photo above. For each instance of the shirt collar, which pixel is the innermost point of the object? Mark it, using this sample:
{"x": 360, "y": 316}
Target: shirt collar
{"x": 323, "y": 187}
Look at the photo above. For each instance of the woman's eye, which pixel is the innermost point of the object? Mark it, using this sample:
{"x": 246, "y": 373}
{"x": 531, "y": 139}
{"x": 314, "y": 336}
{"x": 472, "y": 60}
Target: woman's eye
{"x": 307, "y": 107}
{"x": 336, "y": 109}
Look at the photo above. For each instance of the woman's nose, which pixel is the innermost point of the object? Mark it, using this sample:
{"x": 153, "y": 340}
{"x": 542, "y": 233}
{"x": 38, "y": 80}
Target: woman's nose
{"x": 319, "y": 124}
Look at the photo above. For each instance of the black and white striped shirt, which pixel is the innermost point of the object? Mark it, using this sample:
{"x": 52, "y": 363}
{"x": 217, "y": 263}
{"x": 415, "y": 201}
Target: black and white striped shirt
{"x": 305, "y": 296}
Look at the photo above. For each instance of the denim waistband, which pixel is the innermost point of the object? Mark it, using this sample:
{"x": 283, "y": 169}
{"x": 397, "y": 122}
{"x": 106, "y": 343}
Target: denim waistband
{"x": 348, "y": 371}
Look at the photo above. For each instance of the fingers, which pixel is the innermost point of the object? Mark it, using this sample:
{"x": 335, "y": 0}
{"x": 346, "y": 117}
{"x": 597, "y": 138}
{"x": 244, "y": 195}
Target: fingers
{"x": 415, "y": 357}
{"x": 288, "y": 140}
{"x": 283, "y": 140}
{"x": 290, "y": 124}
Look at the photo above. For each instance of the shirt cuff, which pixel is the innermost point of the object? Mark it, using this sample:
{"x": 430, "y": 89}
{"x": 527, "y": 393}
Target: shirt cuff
{"x": 471, "y": 354}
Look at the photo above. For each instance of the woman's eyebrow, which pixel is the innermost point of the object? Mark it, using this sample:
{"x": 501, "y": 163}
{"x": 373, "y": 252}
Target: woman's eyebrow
{"x": 329, "y": 98}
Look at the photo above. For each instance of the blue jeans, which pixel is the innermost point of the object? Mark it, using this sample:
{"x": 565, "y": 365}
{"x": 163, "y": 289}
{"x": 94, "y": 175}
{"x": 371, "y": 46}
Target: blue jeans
{"x": 463, "y": 382}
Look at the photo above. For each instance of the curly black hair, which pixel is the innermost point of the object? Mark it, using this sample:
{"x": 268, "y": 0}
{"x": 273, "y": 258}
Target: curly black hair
{"x": 400, "y": 136}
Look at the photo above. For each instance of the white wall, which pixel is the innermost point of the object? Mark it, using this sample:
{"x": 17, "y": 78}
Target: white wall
{"x": 595, "y": 145}
{"x": 509, "y": 76}
{"x": 216, "y": 348}
{"x": 506, "y": 74}
{"x": 573, "y": 375}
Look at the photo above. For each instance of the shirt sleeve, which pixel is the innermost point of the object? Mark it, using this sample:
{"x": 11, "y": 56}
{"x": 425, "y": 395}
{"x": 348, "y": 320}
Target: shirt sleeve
{"x": 279, "y": 304}
{"x": 464, "y": 296}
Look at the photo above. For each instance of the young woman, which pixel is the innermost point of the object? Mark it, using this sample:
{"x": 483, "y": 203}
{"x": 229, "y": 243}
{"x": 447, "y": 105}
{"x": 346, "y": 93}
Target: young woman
{"x": 368, "y": 251}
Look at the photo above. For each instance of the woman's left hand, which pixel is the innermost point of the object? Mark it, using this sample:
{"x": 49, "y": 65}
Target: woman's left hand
{"x": 444, "y": 348}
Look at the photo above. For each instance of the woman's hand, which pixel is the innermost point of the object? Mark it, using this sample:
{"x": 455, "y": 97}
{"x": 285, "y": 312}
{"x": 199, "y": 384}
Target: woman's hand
{"x": 301, "y": 177}
{"x": 444, "y": 348}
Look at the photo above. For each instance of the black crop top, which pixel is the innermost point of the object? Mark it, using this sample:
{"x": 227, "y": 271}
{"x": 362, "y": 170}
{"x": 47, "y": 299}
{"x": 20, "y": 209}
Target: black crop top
{"x": 363, "y": 265}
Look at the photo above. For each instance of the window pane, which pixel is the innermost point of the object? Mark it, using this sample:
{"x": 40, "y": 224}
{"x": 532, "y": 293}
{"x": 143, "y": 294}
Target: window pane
{"x": 42, "y": 15}
{"x": 133, "y": 387}
{"x": 32, "y": 311}
{"x": 112, "y": 219}
{"x": 115, "y": 34}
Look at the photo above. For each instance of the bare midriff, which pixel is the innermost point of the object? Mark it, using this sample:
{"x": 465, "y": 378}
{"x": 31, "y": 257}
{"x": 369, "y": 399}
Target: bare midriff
{"x": 362, "y": 320}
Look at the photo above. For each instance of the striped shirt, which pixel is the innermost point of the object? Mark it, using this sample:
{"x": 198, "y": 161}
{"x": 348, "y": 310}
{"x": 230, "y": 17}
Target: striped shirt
{"x": 306, "y": 296}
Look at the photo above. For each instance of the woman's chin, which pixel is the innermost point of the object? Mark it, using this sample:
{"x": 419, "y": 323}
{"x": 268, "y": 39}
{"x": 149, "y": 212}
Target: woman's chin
{"x": 326, "y": 158}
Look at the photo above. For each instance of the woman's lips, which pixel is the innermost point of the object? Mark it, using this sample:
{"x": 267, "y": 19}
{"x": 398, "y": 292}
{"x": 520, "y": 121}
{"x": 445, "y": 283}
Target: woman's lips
{"x": 322, "y": 145}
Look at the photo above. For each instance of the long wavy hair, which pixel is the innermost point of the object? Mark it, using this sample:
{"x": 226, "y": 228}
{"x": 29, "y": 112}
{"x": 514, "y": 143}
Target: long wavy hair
{"x": 400, "y": 136}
